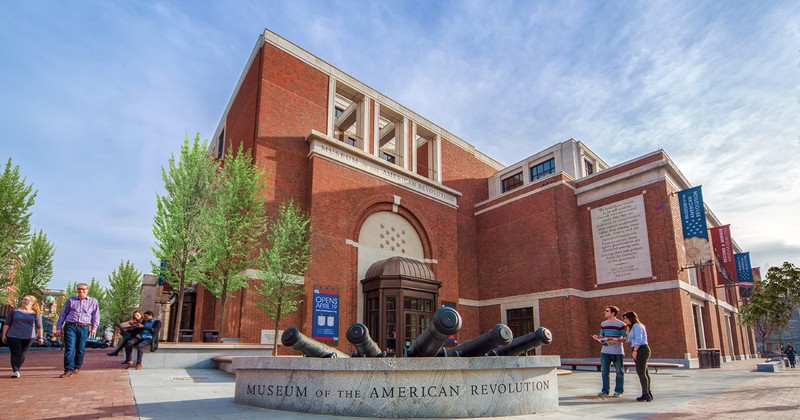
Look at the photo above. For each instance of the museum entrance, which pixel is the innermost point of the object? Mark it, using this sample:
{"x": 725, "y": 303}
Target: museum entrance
{"x": 401, "y": 295}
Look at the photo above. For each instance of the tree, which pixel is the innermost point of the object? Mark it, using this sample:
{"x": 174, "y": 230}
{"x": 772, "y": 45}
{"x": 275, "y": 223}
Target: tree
{"x": 178, "y": 220}
{"x": 35, "y": 267}
{"x": 122, "y": 297}
{"x": 16, "y": 199}
{"x": 772, "y": 302}
{"x": 233, "y": 223}
{"x": 286, "y": 257}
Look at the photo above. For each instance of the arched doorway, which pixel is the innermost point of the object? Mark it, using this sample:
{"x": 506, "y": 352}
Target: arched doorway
{"x": 400, "y": 296}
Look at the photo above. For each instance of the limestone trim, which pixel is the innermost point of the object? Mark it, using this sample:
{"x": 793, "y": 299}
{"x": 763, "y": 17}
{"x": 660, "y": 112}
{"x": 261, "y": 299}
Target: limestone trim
{"x": 335, "y": 151}
{"x": 519, "y": 197}
{"x": 252, "y": 273}
{"x": 593, "y": 294}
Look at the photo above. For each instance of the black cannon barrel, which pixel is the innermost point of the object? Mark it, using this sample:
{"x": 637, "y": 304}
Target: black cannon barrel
{"x": 293, "y": 338}
{"x": 522, "y": 344}
{"x": 445, "y": 322}
{"x": 499, "y": 335}
{"x": 358, "y": 336}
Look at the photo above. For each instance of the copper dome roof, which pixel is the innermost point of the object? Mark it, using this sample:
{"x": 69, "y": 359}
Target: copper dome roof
{"x": 400, "y": 267}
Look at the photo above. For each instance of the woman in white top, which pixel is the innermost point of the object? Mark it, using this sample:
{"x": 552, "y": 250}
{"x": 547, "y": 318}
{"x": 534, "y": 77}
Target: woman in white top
{"x": 637, "y": 335}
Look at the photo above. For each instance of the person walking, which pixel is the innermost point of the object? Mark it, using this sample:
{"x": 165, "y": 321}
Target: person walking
{"x": 23, "y": 325}
{"x": 150, "y": 327}
{"x": 130, "y": 329}
{"x": 79, "y": 320}
{"x": 637, "y": 335}
{"x": 612, "y": 333}
{"x": 791, "y": 354}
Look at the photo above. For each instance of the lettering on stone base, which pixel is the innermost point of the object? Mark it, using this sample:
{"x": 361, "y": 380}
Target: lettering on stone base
{"x": 621, "y": 247}
{"x": 421, "y": 387}
{"x": 430, "y": 391}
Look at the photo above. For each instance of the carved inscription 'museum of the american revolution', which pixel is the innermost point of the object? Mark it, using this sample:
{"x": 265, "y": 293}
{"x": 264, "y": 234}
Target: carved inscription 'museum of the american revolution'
{"x": 621, "y": 248}
{"x": 400, "y": 387}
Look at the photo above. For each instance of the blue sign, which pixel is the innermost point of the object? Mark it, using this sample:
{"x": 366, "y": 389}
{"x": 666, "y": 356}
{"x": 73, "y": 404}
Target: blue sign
{"x": 743, "y": 269}
{"x": 161, "y": 273}
{"x": 326, "y": 315}
{"x": 693, "y": 213}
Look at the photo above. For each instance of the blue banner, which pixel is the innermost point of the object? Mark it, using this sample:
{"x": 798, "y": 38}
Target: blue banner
{"x": 743, "y": 269}
{"x": 325, "y": 325}
{"x": 693, "y": 213}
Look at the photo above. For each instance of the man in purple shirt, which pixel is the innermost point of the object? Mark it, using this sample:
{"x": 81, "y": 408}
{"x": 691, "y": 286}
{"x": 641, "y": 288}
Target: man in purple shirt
{"x": 79, "y": 320}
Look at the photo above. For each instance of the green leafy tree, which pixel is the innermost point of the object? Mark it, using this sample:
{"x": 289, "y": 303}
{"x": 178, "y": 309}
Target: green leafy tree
{"x": 123, "y": 295}
{"x": 233, "y": 224}
{"x": 773, "y": 301}
{"x": 285, "y": 259}
{"x": 35, "y": 268}
{"x": 178, "y": 221}
{"x": 16, "y": 199}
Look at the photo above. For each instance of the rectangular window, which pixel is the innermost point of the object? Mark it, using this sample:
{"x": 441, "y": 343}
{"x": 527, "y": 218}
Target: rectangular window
{"x": 589, "y": 168}
{"x": 351, "y": 141}
{"x": 337, "y": 112}
{"x": 520, "y": 321}
{"x": 543, "y": 169}
{"x": 220, "y": 152}
{"x": 387, "y": 157}
{"x": 512, "y": 182}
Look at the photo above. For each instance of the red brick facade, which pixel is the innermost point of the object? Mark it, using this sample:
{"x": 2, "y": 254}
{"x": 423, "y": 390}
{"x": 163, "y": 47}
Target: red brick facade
{"x": 532, "y": 246}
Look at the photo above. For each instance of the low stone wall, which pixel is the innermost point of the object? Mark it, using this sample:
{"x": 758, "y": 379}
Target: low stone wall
{"x": 199, "y": 355}
{"x": 774, "y": 366}
{"x": 400, "y": 387}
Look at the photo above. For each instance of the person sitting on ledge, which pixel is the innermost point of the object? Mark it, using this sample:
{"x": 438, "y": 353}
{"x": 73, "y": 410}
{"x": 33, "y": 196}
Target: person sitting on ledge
{"x": 150, "y": 327}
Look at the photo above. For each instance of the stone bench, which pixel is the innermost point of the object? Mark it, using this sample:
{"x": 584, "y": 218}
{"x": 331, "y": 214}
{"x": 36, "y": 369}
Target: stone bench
{"x": 775, "y": 366}
{"x": 200, "y": 355}
{"x": 625, "y": 365}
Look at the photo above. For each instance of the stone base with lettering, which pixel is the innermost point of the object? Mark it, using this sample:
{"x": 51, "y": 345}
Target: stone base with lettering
{"x": 400, "y": 387}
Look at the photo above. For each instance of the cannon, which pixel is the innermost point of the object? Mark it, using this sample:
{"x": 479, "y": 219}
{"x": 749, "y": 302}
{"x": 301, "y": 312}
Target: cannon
{"x": 445, "y": 322}
{"x": 499, "y": 335}
{"x": 293, "y": 338}
{"x": 522, "y": 344}
{"x": 358, "y": 336}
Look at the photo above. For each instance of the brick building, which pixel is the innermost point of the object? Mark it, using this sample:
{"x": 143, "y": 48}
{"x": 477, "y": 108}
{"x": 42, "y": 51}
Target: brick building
{"x": 408, "y": 217}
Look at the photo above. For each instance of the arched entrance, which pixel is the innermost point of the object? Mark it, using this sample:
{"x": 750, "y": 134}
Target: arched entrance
{"x": 400, "y": 296}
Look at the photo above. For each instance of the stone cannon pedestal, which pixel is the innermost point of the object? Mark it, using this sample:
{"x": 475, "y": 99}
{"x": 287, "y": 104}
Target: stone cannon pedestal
{"x": 400, "y": 387}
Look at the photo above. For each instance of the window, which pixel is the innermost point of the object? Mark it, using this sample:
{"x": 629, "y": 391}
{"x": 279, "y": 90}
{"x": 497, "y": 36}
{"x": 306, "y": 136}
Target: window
{"x": 337, "y": 112}
{"x": 220, "y": 152}
{"x": 699, "y": 332}
{"x": 351, "y": 141}
{"x": 387, "y": 157}
{"x": 512, "y": 182}
{"x": 543, "y": 169}
{"x": 520, "y": 321}
{"x": 589, "y": 168}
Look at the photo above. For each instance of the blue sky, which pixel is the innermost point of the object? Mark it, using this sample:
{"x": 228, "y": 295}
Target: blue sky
{"x": 96, "y": 96}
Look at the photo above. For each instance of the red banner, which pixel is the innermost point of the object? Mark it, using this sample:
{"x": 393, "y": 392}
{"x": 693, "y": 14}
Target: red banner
{"x": 723, "y": 250}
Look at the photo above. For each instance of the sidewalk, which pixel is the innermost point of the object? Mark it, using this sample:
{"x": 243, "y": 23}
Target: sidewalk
{"x": 103, "y": 389}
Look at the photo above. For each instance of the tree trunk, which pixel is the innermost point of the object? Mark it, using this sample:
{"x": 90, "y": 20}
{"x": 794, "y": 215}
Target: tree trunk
{"x": 222, "y": 301}
{"x": 277, "y": 321}
{"x": 179, "y": 312}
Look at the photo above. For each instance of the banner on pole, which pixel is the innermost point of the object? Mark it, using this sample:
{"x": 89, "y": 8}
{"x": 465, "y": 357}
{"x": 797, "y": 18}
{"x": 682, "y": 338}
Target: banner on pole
{"x": 723, "y": 251}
